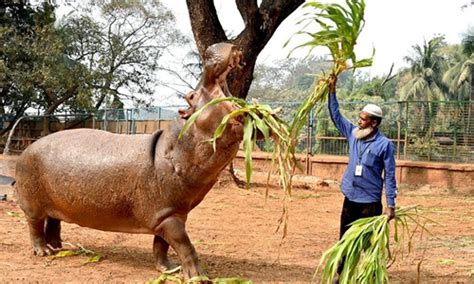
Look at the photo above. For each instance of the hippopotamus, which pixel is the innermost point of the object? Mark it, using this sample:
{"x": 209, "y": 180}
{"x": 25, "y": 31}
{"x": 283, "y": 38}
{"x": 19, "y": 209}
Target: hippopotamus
{"x": 145, "y": 184}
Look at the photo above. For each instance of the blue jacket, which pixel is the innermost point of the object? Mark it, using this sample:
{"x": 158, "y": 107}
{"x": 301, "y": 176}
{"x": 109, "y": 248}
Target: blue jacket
{"x": 376, "y": 157}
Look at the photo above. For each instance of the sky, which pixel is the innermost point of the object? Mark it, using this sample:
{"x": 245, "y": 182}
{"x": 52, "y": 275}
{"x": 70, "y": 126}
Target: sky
{"x": 392, "y": 27}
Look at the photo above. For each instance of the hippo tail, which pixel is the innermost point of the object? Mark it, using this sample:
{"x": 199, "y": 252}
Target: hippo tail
{"x": 7, "y": 180}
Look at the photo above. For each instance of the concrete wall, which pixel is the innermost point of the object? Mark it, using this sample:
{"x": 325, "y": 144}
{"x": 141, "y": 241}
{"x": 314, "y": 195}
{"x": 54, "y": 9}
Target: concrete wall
{"x": 29, "y": 131}
{"x": 455, "y": 176}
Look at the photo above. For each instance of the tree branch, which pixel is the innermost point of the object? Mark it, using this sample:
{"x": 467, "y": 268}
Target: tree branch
{"x": 205, "y": 24}
{"x": 69, "y": 94}
{"x": 269, "y": 16}
{"x": 248, "y": 10}
{"x": 178, "y": 76}
{"x": 388, "y": 78}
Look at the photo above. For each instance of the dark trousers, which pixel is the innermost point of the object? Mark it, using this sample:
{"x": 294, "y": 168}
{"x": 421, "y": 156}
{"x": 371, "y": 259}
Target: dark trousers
{"x": 352, "y": 211}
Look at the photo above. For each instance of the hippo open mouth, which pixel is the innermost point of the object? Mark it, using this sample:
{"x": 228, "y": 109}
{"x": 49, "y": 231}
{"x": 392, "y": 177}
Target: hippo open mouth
{"x": 191, "y": 98}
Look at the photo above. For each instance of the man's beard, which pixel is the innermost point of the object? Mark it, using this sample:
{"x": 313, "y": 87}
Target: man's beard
{"x": 362, "y": 133}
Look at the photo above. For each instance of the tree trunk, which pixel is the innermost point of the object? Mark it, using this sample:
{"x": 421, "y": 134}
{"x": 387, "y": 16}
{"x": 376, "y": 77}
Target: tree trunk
{"x": 260, "y": 24}
{"x": 52, "y": 108}
{"x": 104, "y": 93}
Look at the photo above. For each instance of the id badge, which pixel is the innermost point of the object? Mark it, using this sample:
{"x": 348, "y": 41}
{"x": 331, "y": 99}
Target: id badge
{"x": 358, "y": 171}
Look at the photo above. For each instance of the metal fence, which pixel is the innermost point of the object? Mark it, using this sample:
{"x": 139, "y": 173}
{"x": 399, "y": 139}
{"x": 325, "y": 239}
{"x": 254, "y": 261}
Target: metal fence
{"x": 136, "y": 120}
{"x": 421, "y": 131}
{"x": 122, "y": 121}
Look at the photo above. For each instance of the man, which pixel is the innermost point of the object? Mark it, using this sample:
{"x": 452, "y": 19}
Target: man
{"x": 371, "y": 160}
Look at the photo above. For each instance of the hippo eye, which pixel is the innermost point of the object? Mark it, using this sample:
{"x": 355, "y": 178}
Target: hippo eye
{"x": 191, "y": 97}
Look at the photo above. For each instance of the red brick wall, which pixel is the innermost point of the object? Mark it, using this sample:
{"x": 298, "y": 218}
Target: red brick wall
{"x": 456, "y": 176}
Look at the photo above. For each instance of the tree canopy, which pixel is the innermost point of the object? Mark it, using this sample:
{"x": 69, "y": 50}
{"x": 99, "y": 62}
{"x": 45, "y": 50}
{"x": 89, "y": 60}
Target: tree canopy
{"x": 103, "y": 50}
{"x": 122, "y": 47}
{"x": 30, "y": 51}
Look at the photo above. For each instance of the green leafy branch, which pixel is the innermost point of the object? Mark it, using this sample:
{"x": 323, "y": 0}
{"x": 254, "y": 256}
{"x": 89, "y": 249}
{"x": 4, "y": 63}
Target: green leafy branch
{"x": 257, "y": 118}
{"x": 339, "y": 30}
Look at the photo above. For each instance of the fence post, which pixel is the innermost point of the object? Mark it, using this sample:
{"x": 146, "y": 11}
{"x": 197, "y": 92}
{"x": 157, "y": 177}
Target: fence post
{"x": 126, "y": 121}
{"x": 93, "y": 120}
{"x": 455, "y": 134}
{"x": 133, "y": 122}
{"x": 315, "y": 132}
{"x": 117, "y": 120}
{"x": 308, "y": 143}
{"x": 430, "y": 129}
{"x": 105, "y": 119}
{"x": 399, "y": 129}
{"x": 405, "y": 147}
{"x": 159, "y": 117}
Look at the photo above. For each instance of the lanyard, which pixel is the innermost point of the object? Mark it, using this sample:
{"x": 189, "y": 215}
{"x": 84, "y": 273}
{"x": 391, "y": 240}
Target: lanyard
{"x": 360, "y": 153}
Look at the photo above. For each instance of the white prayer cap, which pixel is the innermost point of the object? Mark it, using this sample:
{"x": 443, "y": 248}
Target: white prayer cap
{"x": 373, "y": 110}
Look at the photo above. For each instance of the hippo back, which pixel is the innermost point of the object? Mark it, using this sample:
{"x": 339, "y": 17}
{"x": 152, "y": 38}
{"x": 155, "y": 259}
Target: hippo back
{"x": 76, "y": 171}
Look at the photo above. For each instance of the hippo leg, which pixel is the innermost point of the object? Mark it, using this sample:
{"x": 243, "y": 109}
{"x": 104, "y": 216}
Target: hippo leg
{"x": 160, "y": 250}
{"x": 53, "y": 233}
{"x": 173, "y": 231}
{"x": 37, "y": 237}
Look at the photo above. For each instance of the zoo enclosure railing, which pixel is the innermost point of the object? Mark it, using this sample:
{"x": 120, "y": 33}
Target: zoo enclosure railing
{"x": 422, "y": 131}
{"x": 121, "y": 121}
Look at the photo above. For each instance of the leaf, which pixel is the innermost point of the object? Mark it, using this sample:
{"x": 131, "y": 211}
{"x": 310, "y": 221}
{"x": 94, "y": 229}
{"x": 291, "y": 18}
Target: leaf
{"x": 248, "y": 147}
{"x": 260, "y": 124}
{"x": 231, "y": 281}
{"x": 446, "y": 261}
{"x": 94, "y": 259}
{"x": 195, "y": 115}
{"x": 67, "y": 253}
{"x": 198, "y": 279}
{"x": 174, "y": 270}
{"x": 14, "y": 214}
{"x": 363, "y": 63}
{"x": 221, "y": 128}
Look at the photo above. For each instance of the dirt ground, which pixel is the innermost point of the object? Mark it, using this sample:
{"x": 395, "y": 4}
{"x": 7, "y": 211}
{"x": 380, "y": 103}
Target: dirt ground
{"x": 233, "y": 231}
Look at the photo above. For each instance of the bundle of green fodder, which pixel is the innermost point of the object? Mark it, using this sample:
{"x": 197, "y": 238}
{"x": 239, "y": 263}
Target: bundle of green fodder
{"x": 365, "y": 249}
{"x": 257, "y": 118}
